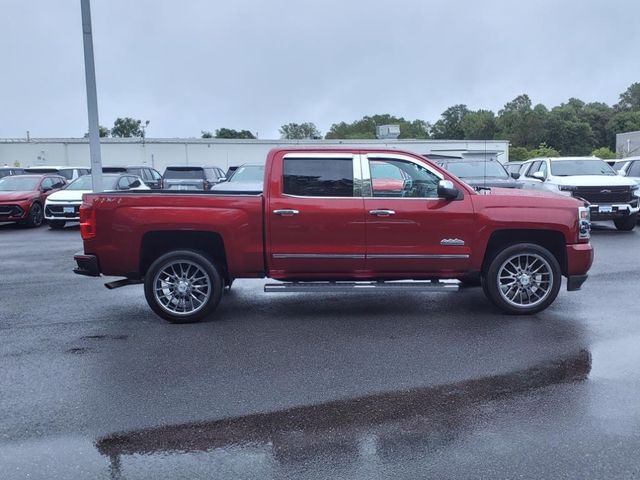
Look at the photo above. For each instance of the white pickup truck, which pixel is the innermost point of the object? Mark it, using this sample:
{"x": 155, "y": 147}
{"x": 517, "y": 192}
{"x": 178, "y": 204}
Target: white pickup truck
{"x": 610, "y": 196}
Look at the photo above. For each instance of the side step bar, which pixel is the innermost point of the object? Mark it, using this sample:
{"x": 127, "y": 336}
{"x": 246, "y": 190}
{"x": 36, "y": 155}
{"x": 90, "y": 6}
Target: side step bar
{"x": 341, "y": 287}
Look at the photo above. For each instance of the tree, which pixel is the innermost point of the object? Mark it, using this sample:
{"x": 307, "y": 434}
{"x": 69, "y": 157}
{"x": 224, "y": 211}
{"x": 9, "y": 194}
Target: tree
{"x": 479, "y": 125}
{"x": 622, "y": 122}
{"x": 522, "y": 125}
{"x": 518, "y": 154}
{"x": 365, "y": 128}
{"x": 567, "y": 131}
{"x": 230, "y": 133}
{"x": 630, "y": 99}
{"x": 544, "y": 150}
{"x": 604, "y": 153}
{"x": 299, "y": 131}
{"x": 102, "y": 132}
{"x": 128, "y": 127}
{"x": 450, "y": 124}
{"x": 206, "y": 134}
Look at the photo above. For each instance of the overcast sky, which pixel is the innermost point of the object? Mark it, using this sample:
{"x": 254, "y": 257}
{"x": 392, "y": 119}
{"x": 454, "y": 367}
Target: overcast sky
{"x": 195, "y": 65}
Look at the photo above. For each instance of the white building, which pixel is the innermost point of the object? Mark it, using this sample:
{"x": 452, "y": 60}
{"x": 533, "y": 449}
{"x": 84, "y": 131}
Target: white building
{"x": 160, "y": 152}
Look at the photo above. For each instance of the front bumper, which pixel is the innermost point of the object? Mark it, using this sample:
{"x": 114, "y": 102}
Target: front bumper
{"x": 13, "y": 212}
{"x": 87, "y": 265}
{"x": 67, "y": 211}
{"x": 614, "y": 210}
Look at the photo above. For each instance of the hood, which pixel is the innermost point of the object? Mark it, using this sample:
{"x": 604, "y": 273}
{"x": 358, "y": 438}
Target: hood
{"x": 67, "y": 195}
{"x": 526, "y": 194}
{"x": 594, "y": 181}
{"x": 13, "y": 196}
{"x": 492, "y": 182}
{"x": 238, "y": 187}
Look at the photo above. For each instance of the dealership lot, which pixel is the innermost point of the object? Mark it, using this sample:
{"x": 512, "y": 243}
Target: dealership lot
{"x": 94, "y": 385}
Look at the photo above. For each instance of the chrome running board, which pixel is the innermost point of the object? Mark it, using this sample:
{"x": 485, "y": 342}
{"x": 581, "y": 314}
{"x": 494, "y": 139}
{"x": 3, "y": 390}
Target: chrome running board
{"x": 342, "y": 287}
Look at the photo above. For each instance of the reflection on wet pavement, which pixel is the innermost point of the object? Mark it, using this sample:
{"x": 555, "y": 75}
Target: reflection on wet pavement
{"x": 381, "y": 426}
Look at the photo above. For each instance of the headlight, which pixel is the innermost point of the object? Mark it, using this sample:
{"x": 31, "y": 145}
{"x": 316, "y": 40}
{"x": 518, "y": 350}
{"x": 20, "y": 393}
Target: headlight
{"x": 635, "y": 190}
{"x": 584, "y": 223}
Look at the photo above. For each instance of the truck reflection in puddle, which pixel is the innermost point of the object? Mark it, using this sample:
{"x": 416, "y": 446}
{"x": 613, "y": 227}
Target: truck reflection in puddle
{"x": 408, "y": 423}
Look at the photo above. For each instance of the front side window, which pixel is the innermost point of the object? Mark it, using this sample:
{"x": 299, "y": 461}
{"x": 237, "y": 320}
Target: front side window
{"x": 634, "y": 169}
{"x": 400, "y": 178}
{"x": 318, "y": 177}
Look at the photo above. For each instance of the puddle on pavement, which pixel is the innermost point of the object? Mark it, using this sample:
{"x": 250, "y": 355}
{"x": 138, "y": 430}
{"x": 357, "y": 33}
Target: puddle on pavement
{"x": 343, "y": 432}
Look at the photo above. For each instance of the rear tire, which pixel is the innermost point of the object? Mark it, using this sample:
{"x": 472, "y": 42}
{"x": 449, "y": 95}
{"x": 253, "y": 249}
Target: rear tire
{"x": 626, "y": 224}
{"x": 183, "y": 286}
{"x": 56, "y": 224}
{"x": 523, "y": 279}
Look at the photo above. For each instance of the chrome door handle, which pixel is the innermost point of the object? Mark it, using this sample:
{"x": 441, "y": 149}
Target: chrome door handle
{"x": 286, "y": 212}
{"x": 382, "y": 212}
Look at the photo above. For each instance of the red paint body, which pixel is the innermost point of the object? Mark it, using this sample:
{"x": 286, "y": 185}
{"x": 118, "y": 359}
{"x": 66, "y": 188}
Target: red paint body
{"x": 255, "y": 240}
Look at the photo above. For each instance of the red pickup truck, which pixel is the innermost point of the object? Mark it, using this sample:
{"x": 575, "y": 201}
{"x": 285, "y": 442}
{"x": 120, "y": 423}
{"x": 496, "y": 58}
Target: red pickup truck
{"x": 324, "y": 220}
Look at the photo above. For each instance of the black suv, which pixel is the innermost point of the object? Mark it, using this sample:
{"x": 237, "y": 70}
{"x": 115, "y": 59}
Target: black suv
{"x": 191, "y": 178}
{"x": 150, "y": 176}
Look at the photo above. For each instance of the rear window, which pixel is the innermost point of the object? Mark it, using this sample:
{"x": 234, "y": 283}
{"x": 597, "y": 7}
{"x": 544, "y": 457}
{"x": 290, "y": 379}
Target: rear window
{"x": 318, "y": 177}
{"x": 181, "y": 173}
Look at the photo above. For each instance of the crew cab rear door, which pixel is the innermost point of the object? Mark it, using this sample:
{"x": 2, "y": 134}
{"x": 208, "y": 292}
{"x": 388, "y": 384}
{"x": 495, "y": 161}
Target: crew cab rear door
{"x": 410, "y": 231}
{"x": 315, "y": 215}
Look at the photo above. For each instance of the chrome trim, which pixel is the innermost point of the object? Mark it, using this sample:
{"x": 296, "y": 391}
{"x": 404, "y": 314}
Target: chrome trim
{"x": 287, "y": 212}
{"x": 346, "y": 286}
{"x": 416, "y": 256}
{"x": 382, "y": 212}
{"x": 357, "y": 176}
{"x": 452, "y": 242}
{"x": 318, "y": 256}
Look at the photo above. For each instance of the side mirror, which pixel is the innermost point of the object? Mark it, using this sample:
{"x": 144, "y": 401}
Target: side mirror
{"x": 447, "y": 190}
{"x": 539, "y": 176}
{"x": 622, "y": 173}
{"x": 515, "y": 175}
{"x": 221, "y": 179}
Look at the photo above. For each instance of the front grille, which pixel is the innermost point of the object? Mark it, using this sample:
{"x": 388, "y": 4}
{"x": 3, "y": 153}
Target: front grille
{"x": 11, "y": 211}
{"x": 58, "y": 211}
{"x": 599, "y": 195}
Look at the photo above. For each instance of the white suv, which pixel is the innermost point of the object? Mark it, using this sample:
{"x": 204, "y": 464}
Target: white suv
{"x": 610, "y": 196}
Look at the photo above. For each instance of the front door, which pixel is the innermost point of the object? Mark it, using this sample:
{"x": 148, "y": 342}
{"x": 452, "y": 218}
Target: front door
{"x": 315, "y": 217}
{"x": 410, "y": 231}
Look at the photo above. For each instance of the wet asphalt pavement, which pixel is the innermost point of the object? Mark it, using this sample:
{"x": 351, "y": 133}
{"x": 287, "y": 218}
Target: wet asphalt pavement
{"x": 291, "y": 386}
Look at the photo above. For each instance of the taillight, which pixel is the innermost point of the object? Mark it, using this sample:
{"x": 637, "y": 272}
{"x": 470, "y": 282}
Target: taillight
{"x": 87, "y": 221}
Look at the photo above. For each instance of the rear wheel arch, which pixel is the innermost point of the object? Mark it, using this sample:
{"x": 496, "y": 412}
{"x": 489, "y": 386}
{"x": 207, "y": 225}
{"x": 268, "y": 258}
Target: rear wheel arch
{"x": 158, "y": 243}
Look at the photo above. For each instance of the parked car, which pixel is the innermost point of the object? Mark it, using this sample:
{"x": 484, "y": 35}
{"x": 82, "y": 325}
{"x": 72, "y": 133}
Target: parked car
{"x": 320, "y": 227}
{"x": 191, "y": 178}
{"x": 22, "y": 197}
{"x": 245, "y": 178}
{"x": 609, "y": 196}
{"x": 7, "y": 171}
{"x": 69, "y": 173}
{"x": 63, "y": 206}
{"x": 513, "y": 167}
{"x": 150, "y": 176}
{"x": 481, "y": 174}
{"x": 629, "y": 167}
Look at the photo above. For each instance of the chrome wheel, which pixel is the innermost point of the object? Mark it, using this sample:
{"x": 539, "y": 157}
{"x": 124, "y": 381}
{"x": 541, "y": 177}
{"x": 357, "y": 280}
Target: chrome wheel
{"x": 182, "y": 287}
{"x": 525, "y": 280}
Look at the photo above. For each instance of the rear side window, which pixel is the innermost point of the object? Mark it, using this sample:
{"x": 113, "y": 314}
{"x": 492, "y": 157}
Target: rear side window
{"x": 187, "y": 173}
{"x": 135, "y": 171}
{"x": 318, "y": 177}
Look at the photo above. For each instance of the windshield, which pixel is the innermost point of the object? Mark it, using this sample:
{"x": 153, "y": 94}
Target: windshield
{"x": 248, "y": 173}
{"x": 182, "y": 173}
{"x": 564, "y": 168}
{"x": 476, "y": 169}
{"x": 85, "y": 183}
{"x": 18, "y": 184}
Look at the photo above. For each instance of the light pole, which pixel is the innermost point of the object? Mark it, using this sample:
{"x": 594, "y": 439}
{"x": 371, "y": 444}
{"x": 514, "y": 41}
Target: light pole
{"x": 92, "y": 98}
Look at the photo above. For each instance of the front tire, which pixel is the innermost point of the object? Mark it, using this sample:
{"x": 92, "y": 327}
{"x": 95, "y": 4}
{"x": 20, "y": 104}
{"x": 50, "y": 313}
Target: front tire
{"x": 626, "y": 224}
{"x": 183, "y": 286}
{"x": 35, "y": 216}
{"x": 523, "y": 279}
